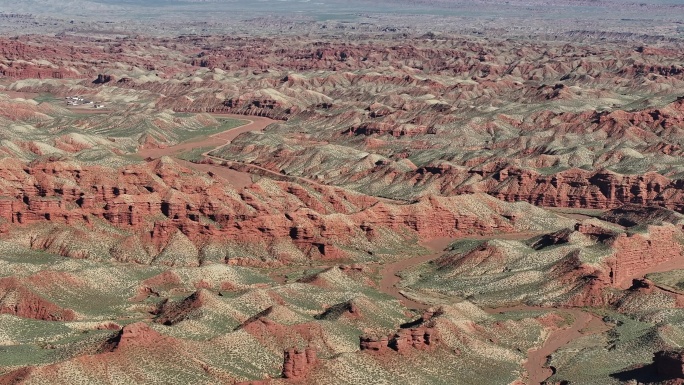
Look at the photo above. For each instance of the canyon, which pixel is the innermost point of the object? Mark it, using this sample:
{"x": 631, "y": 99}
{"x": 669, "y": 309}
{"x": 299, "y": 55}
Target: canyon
{"x": 342, "y": 195}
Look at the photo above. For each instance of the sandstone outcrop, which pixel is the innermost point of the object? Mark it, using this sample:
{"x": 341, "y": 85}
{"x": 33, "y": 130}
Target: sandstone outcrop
{"x": 637, "y": 253}
{"x": 298, "y": 363}
{"x": 134, "y": 338}
{"x": 374, "y": 344}
{"x": 395, "y": 130}
{"x": 587, "y": 189}
{"x": 181, "y": 210}
{"x": 418, "y": 334}
{"x": 133, "y": 335}
{"x": 421, "y": 338}
{"x": 17, "y": 299}
{"x": 425, "y": 137}
{"x": 628, "y": 258}
{"x": 172, "y": 313}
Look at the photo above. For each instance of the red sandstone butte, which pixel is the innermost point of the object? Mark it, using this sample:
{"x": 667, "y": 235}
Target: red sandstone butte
{"x": 298, "y": 363}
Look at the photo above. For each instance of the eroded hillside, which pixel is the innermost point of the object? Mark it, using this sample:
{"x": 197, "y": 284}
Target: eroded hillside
{"x": 415, "y": 210}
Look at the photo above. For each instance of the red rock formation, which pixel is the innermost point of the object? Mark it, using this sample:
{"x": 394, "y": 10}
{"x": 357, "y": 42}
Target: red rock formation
{"x": 416, "y": 335}
{"x": 19, "y": 300}
{"x": 172, "y": 313}
{"x": 165, "y": 198}
{"x": 586, "y": 189}
{"x": 298, "y": 363}
{"x": 421, "y": 338}
{"x": 588, "y": 284}
{"x": 374, "y": 344}
{"x": 138, "y": 333}
{"x": 595, "y": 232}
{"x": 628, "y": 258}
{"x": 381, "y": 128}
{"x": 347, "y": 309}
{"x": 637, "y": 253}
{"x": 133, "y": 336}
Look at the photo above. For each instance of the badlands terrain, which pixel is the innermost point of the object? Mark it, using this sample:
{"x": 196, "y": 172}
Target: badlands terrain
{"x": 360, "y": 203}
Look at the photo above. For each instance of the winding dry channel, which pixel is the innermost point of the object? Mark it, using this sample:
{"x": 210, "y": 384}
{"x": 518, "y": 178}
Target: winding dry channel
{"x": 535, "y": 366}
{"x": 237, "y": 179}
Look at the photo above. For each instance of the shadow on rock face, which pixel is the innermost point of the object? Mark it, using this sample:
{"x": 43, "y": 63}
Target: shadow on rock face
{"x": 643, "y": 374}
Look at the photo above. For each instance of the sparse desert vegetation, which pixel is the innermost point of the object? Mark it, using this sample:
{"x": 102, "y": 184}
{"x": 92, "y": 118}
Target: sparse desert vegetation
{"x": 447, "y": 192}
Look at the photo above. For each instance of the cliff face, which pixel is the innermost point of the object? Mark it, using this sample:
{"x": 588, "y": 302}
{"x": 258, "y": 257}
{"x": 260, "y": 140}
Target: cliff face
{"x": 421, "y": 338}
{"x": 637, "y": 253}
{"x": 171, "y": 208}
{"x": 586, "y": 189}
{"x": 631, "y": 257}
{"x": 298, "y": 363}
